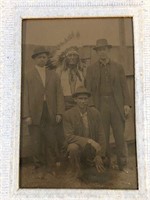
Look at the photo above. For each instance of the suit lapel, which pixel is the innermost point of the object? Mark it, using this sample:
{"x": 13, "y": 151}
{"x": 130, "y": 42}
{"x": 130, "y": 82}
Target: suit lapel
{"x": 89, "y": 115}
{"x": 77, "y": 114}
{"x": 78, "y": 120}
{"x": 112, "y": 73}
{"x": 98, "y": 72}
{"x": 47, "y": 76}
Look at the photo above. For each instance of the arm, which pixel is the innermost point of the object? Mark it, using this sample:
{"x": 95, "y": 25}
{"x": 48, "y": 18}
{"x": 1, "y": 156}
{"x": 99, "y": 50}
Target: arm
{"x": 59, "y": 70}
{"x": 101, "y": 136}
{"x": 101, "y": 140}
{"x": 124, "y": 87}
{"x": 69, "y": 132}
{"x": 25, "y": 99}
{"x": 125, "y": 91}
{"x": 60, "y": 97}
{"x": 25, "y": 103}
{"x": 88, "y": 84}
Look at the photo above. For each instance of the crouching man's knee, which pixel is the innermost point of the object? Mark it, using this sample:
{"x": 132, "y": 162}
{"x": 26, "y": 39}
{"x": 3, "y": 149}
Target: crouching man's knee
{"x": 73, "y": 150}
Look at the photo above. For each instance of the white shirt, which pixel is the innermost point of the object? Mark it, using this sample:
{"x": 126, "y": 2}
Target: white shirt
{"x": 66, "y": 83}
{"x": 85, "y": 123}
{"x": 42, "y": 73}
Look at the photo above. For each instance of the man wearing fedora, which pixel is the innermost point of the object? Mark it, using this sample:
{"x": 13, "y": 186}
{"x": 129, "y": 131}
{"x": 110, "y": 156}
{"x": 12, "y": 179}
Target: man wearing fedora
{"x": 43, "y": 105}
{"x": 84, "y": 134}
{"x": 106, "y": 81}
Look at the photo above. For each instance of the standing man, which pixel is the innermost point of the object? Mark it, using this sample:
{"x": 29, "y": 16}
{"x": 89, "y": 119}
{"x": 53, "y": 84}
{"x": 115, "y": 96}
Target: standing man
{"x": 71, "y": 74}
{"x": 107, "y": 83}
{"x": 84, "y": 134}
{"x": 43, "y": 105}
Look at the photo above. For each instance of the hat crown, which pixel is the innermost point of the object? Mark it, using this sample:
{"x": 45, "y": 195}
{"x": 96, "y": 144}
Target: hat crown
{"x": 39, "y": 50}
{"x": 101, "y": 42}
{"x": 81, "y": 90}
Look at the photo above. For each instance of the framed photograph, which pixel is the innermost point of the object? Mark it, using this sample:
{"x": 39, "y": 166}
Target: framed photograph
{"x": 73, "y": 102}
{"x": 62, "y": 39}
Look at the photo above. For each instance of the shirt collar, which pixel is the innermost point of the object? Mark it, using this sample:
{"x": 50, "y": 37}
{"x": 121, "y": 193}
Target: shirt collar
{"x": 39, "y": 68}
{"x": 104, "y": 62}
{"x": 84, "y": 114}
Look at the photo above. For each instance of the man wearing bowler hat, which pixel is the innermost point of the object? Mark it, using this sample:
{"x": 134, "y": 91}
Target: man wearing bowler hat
{"x": 84, "y": 134}
{"x": 106, "y": 81}
{"x": 43, "y": 106}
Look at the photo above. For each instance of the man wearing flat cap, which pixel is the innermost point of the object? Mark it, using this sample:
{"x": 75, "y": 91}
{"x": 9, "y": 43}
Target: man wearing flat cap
{"x": 84, "y": 134}
{"x": 43, "y": 105}
{"x": 106, "y": 81}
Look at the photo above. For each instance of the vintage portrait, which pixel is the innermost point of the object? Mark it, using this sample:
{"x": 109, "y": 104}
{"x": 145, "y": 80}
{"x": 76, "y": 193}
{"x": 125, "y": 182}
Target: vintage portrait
{"x": 78, "y": 104}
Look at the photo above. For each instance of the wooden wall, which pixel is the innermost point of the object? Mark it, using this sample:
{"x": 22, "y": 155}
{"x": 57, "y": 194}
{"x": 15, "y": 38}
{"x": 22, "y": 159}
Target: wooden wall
{"x": 121, "y": 54}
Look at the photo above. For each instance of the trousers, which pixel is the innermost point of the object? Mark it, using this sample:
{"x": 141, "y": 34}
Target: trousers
{"x": 81, "y": 157}
{"x": 111, "y": 117}
{"x": 44, "y": 138}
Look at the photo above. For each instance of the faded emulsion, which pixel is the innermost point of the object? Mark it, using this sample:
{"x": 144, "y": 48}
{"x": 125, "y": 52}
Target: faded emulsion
{"x": 78, "y": 104}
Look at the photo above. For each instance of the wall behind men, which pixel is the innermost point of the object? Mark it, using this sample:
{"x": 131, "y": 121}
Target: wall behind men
{"x": 88, "y": 53}
{"x": 50, "y": 33}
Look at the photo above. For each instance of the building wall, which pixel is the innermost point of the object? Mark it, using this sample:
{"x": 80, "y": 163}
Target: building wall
{"x": 50, "y": 32}
{"x": 88, "y": 54}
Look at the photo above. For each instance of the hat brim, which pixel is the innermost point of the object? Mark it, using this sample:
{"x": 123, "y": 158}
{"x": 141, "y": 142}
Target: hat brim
{"x": 76, "y": 94}
{"x": 36, "y": 54}
{"x": 98, "y": 47}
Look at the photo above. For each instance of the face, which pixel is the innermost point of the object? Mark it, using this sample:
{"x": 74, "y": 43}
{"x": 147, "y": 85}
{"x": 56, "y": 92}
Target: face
{"x": 72, "y": 59}
{"x": 103, "y": 52}
{"x": 82, "y": 101}
{"x": 41, "y": 59}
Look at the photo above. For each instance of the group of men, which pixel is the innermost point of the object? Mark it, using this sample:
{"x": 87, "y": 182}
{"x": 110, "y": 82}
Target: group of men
{"x": 66, "y": 109}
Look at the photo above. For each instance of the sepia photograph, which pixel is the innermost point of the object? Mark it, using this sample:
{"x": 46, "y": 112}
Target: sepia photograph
{"x": 77, "y": 127}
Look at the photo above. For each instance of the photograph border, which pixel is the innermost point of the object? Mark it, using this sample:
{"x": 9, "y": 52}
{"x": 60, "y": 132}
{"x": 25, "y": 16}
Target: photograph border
{"x": 11, "y": 93}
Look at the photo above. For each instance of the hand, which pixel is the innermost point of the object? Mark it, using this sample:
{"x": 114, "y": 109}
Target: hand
{"x": 28, "y": 120}
{"x": 126, "y": 110}
{"x": 99, "y": 164}
{"x": 95, "y": 145}
{"x": 106, "y": 162}
{"x": 58, "y": 119}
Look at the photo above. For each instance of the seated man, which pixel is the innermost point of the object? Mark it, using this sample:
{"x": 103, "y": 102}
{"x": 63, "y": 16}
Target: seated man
{"x": 84, "y": 134}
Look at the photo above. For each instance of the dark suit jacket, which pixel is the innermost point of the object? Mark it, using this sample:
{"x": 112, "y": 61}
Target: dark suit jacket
{"x": 33, "y": 95}
{"x": 118, "y": 83}
{"x": 73, "y": 127}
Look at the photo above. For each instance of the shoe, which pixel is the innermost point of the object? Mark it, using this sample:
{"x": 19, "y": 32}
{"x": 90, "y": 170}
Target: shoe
{"x": 39, "y": 173}
{"x": 37, "y": 166}
{"x": 123, "y": 169}
{"x": 106, "y": 162}
{"x": 92, "y": 175}
{"x": 50, "y": 171}
{"x": 73, "y": 173}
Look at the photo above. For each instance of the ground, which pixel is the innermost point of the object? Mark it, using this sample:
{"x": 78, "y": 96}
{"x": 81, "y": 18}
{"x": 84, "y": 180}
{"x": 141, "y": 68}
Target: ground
{"x": 30, "y": 178}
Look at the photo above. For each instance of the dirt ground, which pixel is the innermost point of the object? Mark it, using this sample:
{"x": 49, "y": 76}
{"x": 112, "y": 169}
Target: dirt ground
{"x": 31, "y": 178}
